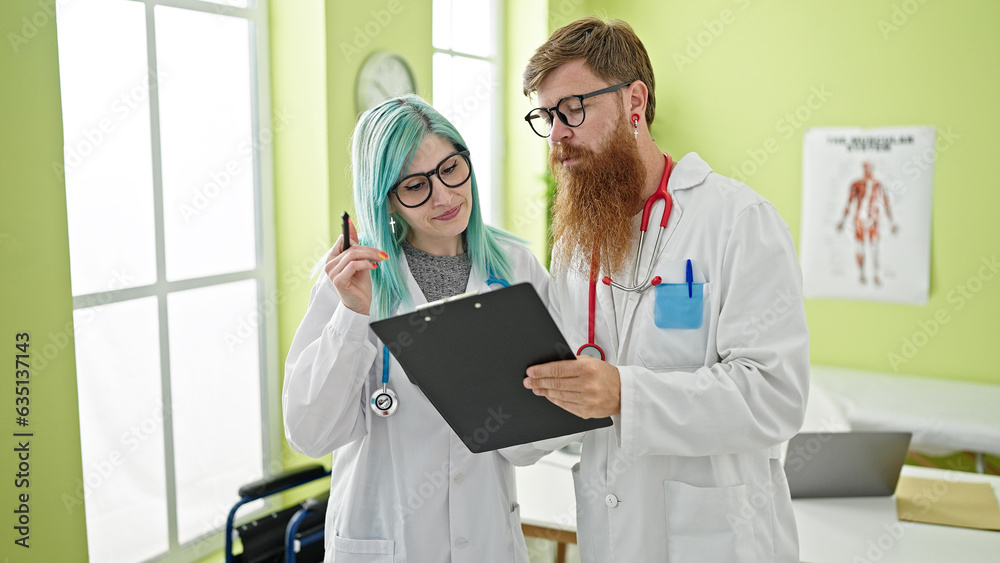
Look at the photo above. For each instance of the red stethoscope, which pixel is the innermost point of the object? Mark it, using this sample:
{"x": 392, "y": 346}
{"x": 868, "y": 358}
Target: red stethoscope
{"x": 590, "y": 348}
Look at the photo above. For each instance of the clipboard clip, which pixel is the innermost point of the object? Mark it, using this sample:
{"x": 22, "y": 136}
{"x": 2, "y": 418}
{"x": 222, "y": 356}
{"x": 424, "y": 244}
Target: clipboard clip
{"x": 445, "y": 300}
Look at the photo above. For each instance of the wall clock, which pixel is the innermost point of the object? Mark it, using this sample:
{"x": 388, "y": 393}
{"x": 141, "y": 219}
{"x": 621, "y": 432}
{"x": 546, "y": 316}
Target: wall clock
{"x": 383, "y": 75}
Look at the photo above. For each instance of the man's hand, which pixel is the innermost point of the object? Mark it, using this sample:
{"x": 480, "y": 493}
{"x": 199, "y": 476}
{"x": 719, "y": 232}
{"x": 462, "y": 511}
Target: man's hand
{"x": 586, "y": 387}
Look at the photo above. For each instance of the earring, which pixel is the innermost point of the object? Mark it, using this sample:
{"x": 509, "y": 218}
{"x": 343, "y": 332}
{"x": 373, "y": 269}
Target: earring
{"x": 392, "y": 224}
{"x": 635, "y": 123}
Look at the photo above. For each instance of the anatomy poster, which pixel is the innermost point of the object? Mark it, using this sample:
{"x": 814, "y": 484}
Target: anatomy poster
{"x": 866, "y": 213}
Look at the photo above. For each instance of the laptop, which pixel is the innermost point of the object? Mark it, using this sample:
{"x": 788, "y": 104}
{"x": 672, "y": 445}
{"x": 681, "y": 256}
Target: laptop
{"x": 469, "y": 354}
{"x": 845, "y": 464}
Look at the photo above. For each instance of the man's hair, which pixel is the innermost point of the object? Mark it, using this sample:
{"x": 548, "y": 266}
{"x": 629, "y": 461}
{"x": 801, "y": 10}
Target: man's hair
{"x": 610, "y": 48}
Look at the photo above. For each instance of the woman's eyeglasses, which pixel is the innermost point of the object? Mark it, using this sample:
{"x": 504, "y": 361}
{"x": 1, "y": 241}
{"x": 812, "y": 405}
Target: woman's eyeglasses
{"x": 414, "y": 190}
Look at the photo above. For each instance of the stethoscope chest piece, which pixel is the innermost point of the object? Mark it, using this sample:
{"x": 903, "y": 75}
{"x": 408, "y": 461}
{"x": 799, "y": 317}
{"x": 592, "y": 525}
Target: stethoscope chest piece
{"x": 591, "y": 350}
{"x": 384, "y": 401}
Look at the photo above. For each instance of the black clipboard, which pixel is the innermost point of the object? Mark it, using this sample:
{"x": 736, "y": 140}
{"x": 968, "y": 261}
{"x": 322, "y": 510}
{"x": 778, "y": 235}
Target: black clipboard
{"x": 468, "y": 354}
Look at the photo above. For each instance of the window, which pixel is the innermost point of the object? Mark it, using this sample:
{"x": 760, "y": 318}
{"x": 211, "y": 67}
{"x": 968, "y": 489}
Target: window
{"x": 466, "y": 86}
{"x": 171, "y": 257}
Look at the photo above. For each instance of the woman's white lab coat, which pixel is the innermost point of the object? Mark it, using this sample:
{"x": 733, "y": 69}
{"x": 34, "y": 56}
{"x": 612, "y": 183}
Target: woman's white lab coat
{"x": 689, "y": 471}
{"x": 404, "y": 488}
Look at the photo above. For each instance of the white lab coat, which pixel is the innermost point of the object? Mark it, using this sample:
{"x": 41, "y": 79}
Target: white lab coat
{"x": 404, "y": 488}
{"x": 689, "y": 471}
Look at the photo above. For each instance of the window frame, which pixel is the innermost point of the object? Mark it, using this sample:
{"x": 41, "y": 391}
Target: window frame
{"x": 264, "y": 272}
{"x": 496, "y": 214}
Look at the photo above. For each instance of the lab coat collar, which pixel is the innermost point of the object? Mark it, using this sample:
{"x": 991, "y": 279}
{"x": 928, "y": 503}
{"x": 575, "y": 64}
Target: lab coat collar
{"x": 416, "y": 295}
{"x": 688, "y": 172}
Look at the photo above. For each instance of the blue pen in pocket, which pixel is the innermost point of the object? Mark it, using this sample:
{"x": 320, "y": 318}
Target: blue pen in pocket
{"x": 679, "y": 305}
{"x": 689, "y": 277}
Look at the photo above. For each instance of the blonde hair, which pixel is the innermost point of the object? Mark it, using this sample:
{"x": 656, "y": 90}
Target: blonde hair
{"x": 610, "y": 48}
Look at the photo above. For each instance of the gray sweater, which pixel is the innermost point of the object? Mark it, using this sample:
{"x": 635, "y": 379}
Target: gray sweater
{"x": 438, "y": 276}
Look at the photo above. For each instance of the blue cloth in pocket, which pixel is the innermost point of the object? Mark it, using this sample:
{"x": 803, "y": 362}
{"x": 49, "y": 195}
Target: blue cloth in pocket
{"x": 673, "y": 307}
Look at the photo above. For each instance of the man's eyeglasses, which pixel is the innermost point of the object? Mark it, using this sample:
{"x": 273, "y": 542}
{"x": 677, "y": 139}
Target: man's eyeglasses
{"x": 569, "y": 109}
{"x": 414, "y": 190}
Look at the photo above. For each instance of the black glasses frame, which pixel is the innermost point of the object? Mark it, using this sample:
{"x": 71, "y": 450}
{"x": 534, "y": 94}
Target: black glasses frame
{"x": 562, "y": 117}
{"x": 436, "y": 172}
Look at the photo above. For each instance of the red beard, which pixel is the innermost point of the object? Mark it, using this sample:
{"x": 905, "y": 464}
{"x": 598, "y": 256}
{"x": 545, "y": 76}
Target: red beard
{"x": 596, "y": 199}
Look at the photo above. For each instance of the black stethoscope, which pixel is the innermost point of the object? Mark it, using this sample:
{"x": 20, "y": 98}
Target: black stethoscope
{"x": 591, "y": 348}
{"x": 384, "y": 401}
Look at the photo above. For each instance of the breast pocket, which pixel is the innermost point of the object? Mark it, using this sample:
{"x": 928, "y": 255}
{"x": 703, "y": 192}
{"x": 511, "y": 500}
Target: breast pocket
{"x": 708, "y": 524}
{"x": 673, "y": 325}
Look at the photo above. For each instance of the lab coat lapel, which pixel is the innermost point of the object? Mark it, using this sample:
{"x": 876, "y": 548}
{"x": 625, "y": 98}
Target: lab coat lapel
{"x": 647, "y": 258}
{"x": 689, "y": 172}
{"x": 477, "y": 282}
{"x": 416, "y": 295}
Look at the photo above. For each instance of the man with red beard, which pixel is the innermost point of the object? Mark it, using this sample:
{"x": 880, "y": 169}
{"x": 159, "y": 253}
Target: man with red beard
{"x": 692, "y": 337}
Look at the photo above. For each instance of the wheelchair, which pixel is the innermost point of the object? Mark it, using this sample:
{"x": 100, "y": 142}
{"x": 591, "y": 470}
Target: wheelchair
{"x": 289, "y": 535}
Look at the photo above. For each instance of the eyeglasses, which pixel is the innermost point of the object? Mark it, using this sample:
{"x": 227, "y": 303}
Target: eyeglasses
{"x": 569, "y": 109}
{"x": 414, "y": 190}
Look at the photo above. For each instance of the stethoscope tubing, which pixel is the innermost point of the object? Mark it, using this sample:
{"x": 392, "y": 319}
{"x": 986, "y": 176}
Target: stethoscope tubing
{"x": 647, "y": 208}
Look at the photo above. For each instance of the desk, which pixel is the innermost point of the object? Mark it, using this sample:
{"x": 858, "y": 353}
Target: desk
{"x": 851, "y": 530}
{"x": 863, "y": 530}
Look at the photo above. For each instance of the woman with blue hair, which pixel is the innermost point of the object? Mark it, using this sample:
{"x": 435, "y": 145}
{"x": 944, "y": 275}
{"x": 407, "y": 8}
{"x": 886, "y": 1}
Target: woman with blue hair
{"x": 404, "y": 486}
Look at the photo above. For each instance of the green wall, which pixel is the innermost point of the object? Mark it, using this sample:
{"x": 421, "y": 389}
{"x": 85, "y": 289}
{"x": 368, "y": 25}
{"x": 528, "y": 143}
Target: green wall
{"x": 938, "y": 65}
{"x": 728, "y": 70}
{"x": 316, "y": 51}
{"x": 36, "y": 299}
{"x": 354, "y": 31}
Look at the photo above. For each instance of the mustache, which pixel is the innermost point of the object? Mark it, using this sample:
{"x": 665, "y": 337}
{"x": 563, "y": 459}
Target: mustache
{"x": 562, "y": 151}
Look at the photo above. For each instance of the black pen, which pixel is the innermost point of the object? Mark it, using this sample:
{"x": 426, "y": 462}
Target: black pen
{"x": 347, "y": 231}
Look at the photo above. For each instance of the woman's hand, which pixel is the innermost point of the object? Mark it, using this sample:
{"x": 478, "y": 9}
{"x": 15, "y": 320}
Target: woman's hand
{"x": 348, "y": 270}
